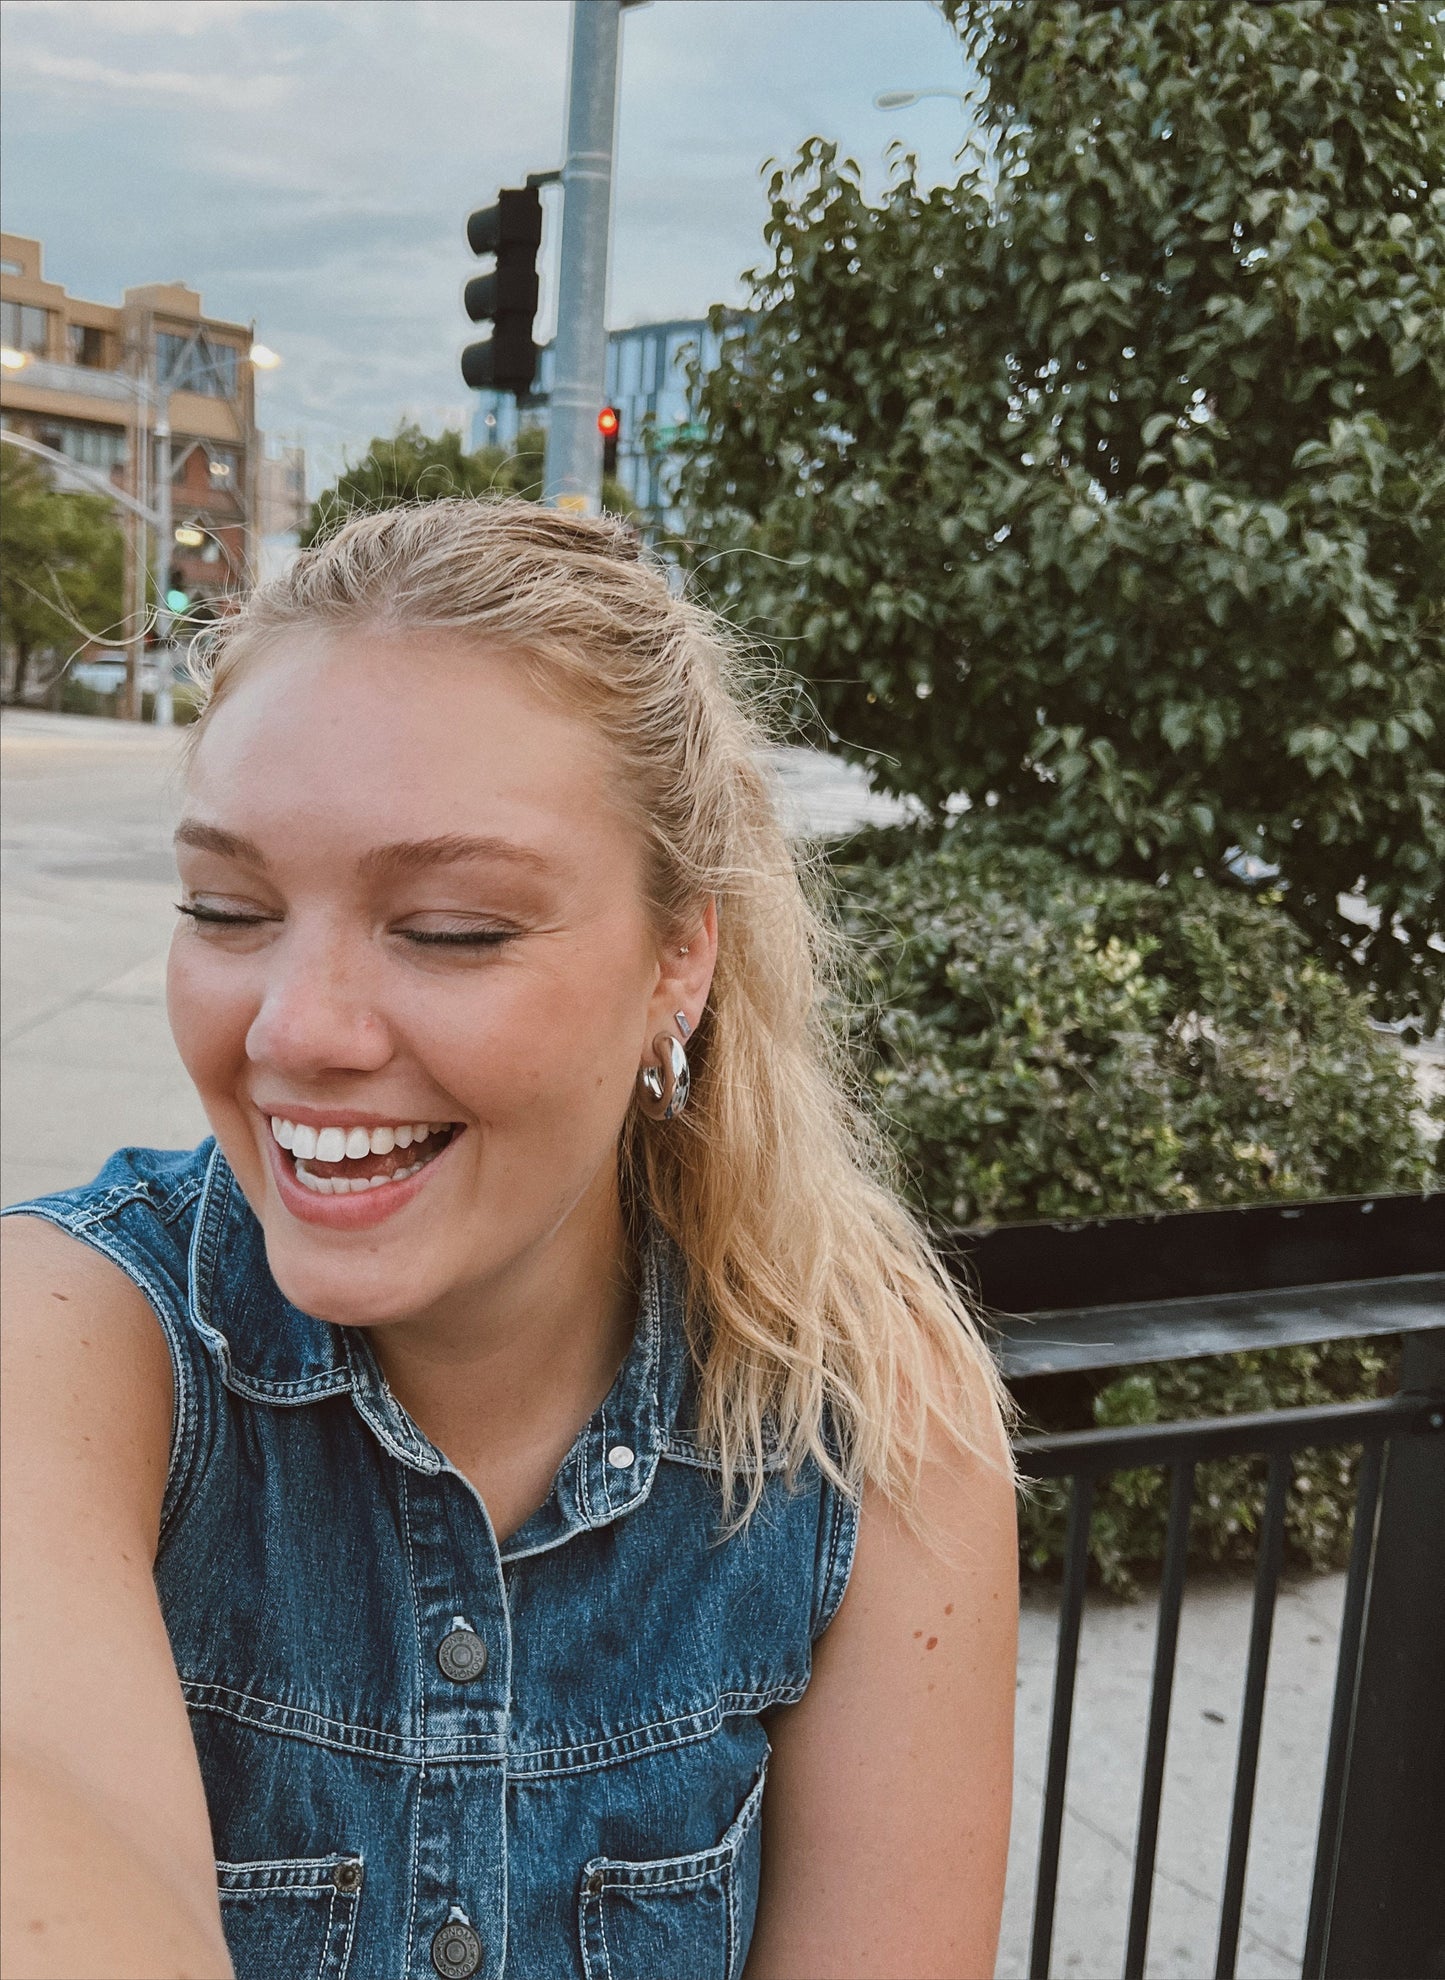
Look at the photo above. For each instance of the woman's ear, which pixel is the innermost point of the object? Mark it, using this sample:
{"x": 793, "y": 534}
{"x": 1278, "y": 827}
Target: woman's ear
{"x": 684, "y": 978}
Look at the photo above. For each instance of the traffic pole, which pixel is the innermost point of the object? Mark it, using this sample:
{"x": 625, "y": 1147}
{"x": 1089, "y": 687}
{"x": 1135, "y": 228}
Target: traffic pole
{"x": 572, "y": 477}
{"x": 165, "y": 547}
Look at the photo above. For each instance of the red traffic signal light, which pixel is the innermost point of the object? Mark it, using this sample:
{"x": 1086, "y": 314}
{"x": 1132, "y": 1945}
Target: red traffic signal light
{"x": 609, "y": 425}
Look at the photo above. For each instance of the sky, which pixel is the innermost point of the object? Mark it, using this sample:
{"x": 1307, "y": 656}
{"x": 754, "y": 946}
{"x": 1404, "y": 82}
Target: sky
{"x": 310, "y": 164}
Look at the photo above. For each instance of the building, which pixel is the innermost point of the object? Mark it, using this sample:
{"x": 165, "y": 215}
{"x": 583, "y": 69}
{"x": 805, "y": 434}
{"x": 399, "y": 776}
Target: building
{"x": 86, "y": 380}
{"x": 281, "y": 504}
{"x": 647, "y": 383}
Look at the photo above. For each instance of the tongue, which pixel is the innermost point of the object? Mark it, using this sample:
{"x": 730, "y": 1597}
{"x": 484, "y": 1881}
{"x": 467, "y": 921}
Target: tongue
{"x": 366, "y": 1166}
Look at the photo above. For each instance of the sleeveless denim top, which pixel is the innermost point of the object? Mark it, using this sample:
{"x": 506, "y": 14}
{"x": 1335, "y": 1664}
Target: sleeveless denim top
{"x": 424, "y": 1753}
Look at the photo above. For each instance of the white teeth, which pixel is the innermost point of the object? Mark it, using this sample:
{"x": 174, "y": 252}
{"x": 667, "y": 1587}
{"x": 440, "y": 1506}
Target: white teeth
{"x": 353, "y": 1144}
{"x": 350, "y": 1185}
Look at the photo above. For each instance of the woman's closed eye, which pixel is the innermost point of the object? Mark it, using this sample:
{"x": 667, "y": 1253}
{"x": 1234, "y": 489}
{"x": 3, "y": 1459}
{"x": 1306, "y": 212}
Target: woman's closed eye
{"x": 453, "y": 934}
{"x": 459, "y": 938}
{"x": 214, "y": 917}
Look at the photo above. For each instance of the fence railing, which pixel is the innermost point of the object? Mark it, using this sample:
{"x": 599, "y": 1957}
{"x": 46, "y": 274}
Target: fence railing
{"x": 1213, "y": 1283}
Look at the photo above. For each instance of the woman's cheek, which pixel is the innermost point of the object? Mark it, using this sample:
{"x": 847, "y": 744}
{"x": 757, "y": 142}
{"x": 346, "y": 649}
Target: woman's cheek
{"x": 206, "y": 1009}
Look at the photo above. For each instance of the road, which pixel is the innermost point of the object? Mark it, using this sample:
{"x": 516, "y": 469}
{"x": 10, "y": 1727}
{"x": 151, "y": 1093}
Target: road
{"x": 88, "y": 1065}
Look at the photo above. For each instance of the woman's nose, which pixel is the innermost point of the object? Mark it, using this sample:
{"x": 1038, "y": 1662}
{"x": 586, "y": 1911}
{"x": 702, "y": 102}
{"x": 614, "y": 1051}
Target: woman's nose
{"x": 317, "y": 1013}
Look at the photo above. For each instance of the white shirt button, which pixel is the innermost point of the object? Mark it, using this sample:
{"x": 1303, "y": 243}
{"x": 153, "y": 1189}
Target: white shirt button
{"x": 620, "y": 1456}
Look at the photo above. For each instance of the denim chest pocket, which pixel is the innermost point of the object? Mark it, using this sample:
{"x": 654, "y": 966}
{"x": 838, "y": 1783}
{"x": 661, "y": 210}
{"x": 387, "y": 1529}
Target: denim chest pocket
{"x": 688, "y": 1917}
{"x": 295, "y": 1917}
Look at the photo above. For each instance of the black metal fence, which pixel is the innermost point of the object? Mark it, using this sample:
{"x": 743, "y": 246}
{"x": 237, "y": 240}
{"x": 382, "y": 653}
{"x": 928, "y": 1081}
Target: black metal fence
{"x": 1121, "y": 1292}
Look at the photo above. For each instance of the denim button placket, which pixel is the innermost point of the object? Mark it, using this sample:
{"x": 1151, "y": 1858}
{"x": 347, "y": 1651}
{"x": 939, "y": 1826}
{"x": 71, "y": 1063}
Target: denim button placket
{"x": 456, "y": 1951}
{"x": 462, "y": 1655}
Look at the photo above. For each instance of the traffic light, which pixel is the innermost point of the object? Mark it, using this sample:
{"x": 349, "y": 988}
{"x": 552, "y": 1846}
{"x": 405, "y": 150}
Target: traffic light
{"x": 507, "y": 298}
{"x": 178, "y": 599}
{"x": 609, "y": 425}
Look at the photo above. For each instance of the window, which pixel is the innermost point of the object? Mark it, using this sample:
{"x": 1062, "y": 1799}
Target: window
{"x": 101, "y": 447}
{"x": 23, "y": 328}
{"x": 87, "y": 345}
{"x": 196, "y": 364}
{"x": 8, "y": 267}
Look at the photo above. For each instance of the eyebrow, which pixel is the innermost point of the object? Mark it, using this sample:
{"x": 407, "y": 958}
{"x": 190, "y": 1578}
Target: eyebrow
{"x": 380, "y": 862}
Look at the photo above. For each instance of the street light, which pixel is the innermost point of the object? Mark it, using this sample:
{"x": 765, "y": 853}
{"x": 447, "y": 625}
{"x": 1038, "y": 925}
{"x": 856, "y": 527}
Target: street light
{"x": 263, "y": 357}
{"x": 13, "y": 360}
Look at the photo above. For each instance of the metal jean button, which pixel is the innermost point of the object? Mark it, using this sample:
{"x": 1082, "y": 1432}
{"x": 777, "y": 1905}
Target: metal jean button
{"x": 462, "y": 1655}
{"x": 456, "y": 1951}
{"x": 347, "y": 1876}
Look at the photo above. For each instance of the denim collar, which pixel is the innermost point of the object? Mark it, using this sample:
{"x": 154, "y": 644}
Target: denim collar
{"x": 269, "y": 1351}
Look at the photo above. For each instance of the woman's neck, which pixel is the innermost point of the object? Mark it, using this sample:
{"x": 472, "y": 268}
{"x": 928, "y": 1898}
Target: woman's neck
{"x": 502, "y": 1379}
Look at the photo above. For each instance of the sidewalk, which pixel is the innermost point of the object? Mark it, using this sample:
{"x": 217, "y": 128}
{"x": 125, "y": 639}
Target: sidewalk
{"x": 88, "y": 1065}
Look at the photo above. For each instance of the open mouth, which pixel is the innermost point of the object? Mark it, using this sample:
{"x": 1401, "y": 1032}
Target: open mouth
{"x": 343, "y": 1161}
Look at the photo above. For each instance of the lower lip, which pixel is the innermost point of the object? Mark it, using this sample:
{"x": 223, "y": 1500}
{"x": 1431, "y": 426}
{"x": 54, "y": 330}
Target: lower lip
{"x": 357, "y": 1212}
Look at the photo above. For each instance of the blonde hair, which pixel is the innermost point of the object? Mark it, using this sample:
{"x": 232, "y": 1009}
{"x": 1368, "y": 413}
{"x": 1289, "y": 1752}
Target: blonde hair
{"x": 822, "y": 1322}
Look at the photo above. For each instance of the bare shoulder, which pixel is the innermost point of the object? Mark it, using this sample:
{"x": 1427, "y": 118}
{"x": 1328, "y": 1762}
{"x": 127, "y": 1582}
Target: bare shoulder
{"x": 887, "y": 1812}
{"x": 87, "y": 1396}
{"x": 87, "y": 1376}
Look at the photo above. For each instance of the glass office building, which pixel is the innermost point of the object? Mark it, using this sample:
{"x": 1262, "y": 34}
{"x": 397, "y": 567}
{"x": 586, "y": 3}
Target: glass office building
{"x": 646, "y": 381}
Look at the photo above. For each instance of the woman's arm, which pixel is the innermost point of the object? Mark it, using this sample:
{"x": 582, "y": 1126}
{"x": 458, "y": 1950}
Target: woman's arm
{"x": 109, "y": 1870}
{"x": 886, "y": 1815}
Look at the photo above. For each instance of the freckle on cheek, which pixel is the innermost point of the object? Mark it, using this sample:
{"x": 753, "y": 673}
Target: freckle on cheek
{"x": 948, "y": 1608}
{"x": 931, "y": 1644}
{"x": 916, "y": 1634}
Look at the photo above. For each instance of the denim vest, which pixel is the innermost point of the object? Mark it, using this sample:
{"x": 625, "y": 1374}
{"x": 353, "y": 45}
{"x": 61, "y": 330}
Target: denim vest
{"x": 424, "y": 1753}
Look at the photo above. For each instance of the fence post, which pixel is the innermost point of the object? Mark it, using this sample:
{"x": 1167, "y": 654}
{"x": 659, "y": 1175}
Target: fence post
{"x": 1387, "y": 1920}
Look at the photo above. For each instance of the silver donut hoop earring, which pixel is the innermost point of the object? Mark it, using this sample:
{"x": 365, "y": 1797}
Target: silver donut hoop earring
{"x": 663, "y": 1088}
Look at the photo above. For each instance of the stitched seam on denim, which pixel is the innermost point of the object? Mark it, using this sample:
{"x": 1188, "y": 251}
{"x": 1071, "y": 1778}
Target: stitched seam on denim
{"x": 305, "y": 1388}
{"x": 317, "y": 1868}
{"x": 625, "y": 1747}
{"x": 842, "y": 1543}
{"x": 681, "y": 1453}
{"x": 311, "y": 1726}
{"x": 634, "y": 1877}
{"x": 324, "y": 1957}
{"x": 602, "y": 1929}
{"x": 730, "y": 1884}
{"x": 403, "y": 1488}
{"x": 353, "y": 1906}
{"x": 205, "y": 1246}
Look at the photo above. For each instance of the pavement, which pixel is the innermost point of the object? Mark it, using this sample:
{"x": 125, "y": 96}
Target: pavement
{"x": 88, "y": 1066}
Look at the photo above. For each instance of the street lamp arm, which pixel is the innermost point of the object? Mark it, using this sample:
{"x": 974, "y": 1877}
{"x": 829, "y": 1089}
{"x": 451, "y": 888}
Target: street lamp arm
{"x": 97, "y": 481}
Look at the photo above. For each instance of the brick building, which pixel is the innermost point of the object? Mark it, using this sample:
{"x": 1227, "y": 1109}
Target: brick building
{"x": 85, "y": 379}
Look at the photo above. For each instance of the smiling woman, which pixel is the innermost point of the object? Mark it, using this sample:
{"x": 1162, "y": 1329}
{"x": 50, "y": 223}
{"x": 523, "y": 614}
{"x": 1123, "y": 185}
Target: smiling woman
{"x": 533, "y": 1500}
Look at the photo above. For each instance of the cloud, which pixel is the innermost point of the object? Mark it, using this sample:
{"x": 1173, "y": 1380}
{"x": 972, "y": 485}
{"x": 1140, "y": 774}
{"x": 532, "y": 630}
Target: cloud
{"x": 310, "y": 163}
{"x": 84, "y": 73}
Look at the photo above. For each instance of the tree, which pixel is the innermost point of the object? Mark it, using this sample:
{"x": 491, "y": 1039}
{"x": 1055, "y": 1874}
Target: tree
{"x": 413, "y": 466}
{"x": 62, "y": 561}
{"x": 1106, "y": 486}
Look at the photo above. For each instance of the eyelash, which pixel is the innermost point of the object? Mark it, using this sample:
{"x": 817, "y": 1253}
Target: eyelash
{"x": 482, "y": 938}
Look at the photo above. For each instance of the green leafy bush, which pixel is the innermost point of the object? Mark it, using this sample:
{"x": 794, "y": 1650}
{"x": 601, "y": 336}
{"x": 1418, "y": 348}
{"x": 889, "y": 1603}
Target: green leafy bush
{"x": 1052, "y": 1043}
{"x": 1105, "y": 484}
